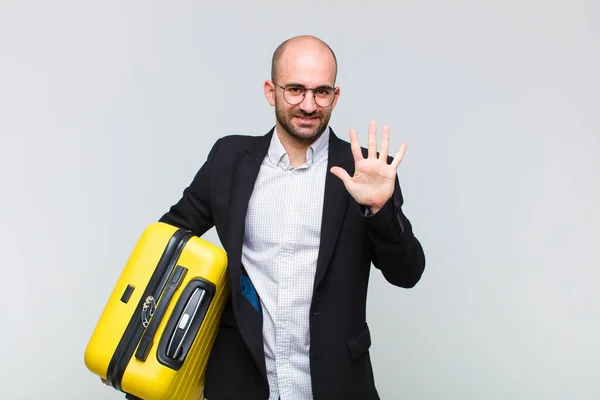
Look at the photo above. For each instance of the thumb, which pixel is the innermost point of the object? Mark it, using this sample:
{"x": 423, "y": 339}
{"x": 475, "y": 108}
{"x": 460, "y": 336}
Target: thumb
{"x": 342, "y": 174}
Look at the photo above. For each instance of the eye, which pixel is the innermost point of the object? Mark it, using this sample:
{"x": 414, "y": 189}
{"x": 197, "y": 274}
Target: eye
{"x": 295, "y": 90}
{"x": 324, "y": 92}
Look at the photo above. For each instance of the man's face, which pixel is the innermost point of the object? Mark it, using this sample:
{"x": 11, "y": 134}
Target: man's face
{"x": 309, "y": 68}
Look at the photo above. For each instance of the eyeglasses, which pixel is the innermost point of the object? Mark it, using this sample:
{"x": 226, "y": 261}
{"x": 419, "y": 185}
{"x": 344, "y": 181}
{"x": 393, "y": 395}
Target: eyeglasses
{"x": 294, "y": 94}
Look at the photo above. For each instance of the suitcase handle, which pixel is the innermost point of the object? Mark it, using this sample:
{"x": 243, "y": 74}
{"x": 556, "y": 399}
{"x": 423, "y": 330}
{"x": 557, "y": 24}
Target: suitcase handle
{"x": 148, "y": 339}
{"x": 185, "y": 323}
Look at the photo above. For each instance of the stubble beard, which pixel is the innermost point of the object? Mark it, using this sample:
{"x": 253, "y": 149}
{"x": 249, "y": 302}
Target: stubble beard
{"x": 302, "y": 135}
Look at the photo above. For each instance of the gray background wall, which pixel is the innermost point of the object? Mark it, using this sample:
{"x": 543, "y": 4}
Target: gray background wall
{"x": 108, "y": 108}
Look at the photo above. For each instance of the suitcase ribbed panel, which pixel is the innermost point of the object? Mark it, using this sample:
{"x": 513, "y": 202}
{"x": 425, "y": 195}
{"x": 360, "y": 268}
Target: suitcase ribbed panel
{"x": 191, "y": 383}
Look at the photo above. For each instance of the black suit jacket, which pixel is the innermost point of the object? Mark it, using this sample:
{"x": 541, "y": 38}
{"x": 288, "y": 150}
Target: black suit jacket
{"x": 339, "y": 335}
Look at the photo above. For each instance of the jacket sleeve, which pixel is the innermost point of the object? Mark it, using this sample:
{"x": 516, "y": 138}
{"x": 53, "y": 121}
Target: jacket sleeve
{"x": 193, "y": 210}
{"x": 397, "y": 252}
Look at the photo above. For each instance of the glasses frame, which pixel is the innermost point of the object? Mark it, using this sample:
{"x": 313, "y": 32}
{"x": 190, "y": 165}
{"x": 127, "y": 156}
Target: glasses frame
{"x": 335, "y": 93}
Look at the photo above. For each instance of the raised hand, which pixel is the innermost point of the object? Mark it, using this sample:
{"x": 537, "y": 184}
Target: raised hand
{"x": 373, "y": 182}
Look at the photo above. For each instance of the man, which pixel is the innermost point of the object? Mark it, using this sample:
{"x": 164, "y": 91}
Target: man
{"x": 302, "y": 215}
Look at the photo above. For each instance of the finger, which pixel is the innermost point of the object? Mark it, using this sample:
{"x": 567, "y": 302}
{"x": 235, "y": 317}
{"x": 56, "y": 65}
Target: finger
{"x": 385, "y": 144}
{"x": 356, "y": 151}
{"x": 372, "y": 139}
{"x": 342, "y": 174}
{"x": 399, "y": 156}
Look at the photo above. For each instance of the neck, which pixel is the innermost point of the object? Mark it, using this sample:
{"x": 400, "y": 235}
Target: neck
{"x": 295, "y": 148}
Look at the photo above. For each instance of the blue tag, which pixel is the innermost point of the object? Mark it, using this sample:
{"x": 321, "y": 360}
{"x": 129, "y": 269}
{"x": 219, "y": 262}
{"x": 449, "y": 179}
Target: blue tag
{"x": 249, "y": 292}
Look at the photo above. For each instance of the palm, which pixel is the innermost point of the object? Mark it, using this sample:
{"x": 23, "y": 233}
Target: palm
{"x": 374, "y": 179}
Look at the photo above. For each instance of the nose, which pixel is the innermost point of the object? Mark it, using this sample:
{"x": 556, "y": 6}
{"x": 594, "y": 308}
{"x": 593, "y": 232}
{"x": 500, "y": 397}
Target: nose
{"x": 308, "y": 104}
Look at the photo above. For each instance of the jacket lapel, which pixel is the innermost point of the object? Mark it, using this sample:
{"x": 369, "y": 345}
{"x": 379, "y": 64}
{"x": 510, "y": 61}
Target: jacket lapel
{"x": 335, "y": 203}
{"x": 248, "y": 319}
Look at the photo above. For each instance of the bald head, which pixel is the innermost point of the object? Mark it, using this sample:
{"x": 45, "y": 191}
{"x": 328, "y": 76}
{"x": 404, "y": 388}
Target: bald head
{"x": 298, "y": 46}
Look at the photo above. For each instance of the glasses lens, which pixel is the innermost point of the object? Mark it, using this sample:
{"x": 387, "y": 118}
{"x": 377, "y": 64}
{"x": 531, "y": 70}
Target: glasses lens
{"x": 294, "y": 94}
{"x": 324, "y": 96}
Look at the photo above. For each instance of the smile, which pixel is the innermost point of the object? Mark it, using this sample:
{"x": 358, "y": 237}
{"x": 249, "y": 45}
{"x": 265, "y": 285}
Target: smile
{"x": 307, "y": 119}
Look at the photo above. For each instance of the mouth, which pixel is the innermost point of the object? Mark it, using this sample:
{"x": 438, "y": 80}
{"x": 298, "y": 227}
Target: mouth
{"x": 306, "y": 120}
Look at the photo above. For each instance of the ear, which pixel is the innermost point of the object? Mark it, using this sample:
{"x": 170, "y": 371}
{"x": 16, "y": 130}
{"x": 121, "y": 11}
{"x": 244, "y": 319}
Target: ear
{"x": 337, "y": 96}
{"x": 269, "y": 88}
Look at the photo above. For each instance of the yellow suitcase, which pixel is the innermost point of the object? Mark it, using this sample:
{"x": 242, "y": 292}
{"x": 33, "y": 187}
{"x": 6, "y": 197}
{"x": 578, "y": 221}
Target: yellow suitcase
{"x": 153, "y": 339}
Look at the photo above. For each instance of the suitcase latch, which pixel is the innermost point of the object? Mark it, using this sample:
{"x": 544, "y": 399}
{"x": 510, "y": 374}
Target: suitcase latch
{"x": 148, "y": 310}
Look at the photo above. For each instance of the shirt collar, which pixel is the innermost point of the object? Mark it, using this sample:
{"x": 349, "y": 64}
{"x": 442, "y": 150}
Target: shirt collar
{"x": 314, "y": 153}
